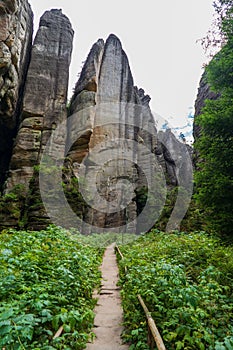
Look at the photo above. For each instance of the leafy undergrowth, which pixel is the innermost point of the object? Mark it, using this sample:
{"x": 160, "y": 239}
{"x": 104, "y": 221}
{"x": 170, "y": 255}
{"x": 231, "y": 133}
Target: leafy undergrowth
{"x": 186, "y": 281}
{"x": 46, "y": 281}
{"x": 104, "y": 239}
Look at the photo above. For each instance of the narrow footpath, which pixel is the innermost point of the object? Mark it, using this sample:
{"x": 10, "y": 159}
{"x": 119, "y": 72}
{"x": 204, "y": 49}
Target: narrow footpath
{"x": 109, "y": 314}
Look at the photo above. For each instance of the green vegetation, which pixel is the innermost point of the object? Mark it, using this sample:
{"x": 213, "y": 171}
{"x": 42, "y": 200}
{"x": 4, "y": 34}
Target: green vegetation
{"x": 214, "y": 180}
{"x": 222, "y": 27}
{"x": 186, "y": 281}
{"x": 12, "y": 206}
{"x": 224, "y": 11}
{"x": 46, "y": 281}
{"x": 102, "y": 240}
{"x": 74, "y": 197}
{"x": 193, "y": 220}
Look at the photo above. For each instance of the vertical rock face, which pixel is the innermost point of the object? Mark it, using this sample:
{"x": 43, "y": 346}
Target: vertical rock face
{"x": 45, "y": 97}
{"x": 43, "y": 108}
{"x": 109, "y": 118}
{"x": 16, "y": 22}
{"x": 204, "y": 93}
{"x": 113, "y": 162}
{"x": 176, "y": 158}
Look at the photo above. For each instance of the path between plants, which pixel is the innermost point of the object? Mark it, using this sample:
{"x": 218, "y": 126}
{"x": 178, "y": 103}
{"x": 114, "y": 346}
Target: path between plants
{"x": 109, "y": 314}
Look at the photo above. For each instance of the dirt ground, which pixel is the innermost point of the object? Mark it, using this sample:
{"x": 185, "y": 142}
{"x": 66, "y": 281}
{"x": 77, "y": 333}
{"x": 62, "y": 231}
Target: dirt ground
{"x": 109, "y": 314}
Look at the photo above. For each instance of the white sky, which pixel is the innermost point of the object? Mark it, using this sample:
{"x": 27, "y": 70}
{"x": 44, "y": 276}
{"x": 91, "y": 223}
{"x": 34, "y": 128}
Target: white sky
{"x": 159, "y": 38}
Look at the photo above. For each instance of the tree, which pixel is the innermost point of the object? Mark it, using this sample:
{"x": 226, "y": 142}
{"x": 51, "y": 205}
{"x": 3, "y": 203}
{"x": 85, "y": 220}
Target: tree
{"x": 221, "y": 29}
{"x": 214, "y": 180}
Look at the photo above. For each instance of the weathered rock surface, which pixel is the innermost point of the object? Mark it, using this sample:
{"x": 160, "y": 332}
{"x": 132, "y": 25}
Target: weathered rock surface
{"x": 178, "y": 167}
{"x": 43, "y": 108}
{"x": 16, "y": 22}
{"x": 114, "y": 164}
{"x": 45, "y": 97}
{"x": 204, "y": 93}
{"x": 110, "y": 119}
{"x": 177, "y": 159}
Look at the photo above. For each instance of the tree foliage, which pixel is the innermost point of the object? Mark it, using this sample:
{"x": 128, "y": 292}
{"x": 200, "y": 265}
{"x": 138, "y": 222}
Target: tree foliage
{"x": 221, "y": 29}
{"x": 215, "y": 146}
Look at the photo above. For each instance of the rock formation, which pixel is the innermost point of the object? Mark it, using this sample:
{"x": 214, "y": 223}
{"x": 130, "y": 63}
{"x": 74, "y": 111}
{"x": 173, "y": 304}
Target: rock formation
{"x": 114, "y": 146}
{"x": 44, "y": 103}
{"x": 105, "y": 161}
{"x": 176, "y": 157}
{"x": 112, "y": 115}
{"x": 204, "y": 93}
{"x": 16, "y": 21}
{"x": 178, "y": 167}
{"x": 45, "y": 97}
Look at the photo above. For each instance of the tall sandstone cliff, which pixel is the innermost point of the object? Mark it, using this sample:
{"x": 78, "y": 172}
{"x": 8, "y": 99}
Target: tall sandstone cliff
{"x": 114, "y": 145}
{"x": 45, "y": 96}
{"x": 112, "y": 115}
{"x": 16, "y": 25}
{"x": 42, "y": 106}
{"x": 204, "y": 93}
{"x": 115, "y": 166}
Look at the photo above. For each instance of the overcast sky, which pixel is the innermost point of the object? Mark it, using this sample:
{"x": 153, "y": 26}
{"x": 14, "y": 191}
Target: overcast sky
{"x": 158, "y": 36}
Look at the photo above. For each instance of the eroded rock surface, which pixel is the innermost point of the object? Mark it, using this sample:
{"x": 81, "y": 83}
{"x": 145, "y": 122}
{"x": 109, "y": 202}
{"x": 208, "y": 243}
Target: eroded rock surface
{"x": 45, "y": 97}
{"x": 114, "y": 164}
{"x": 112, "y": 138}
{"x": 204, "y": 93}
{"x": 43, "y": 109}
{"x": 16, "y": 22}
